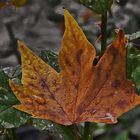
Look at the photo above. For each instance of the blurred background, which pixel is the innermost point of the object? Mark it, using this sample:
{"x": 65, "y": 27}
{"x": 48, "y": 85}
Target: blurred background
{"x": 40, "y": 24}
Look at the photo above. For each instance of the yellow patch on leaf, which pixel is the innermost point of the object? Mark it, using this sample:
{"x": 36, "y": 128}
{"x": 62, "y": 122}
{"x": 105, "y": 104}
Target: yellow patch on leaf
{"x": 80, "y": 92}
{"x": 16, "y": 3}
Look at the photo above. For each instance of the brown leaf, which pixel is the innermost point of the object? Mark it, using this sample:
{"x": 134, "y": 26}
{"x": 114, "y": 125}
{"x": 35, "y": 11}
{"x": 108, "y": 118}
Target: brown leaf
{"x": 80, "y": 92}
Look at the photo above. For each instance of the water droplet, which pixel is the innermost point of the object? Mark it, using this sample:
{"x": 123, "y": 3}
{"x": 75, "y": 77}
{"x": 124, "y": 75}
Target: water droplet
{"x": 29, "y": 101}
{"x": 94, "y": 111}
{"x": 39, "y": 100}
{"x": 115, "y": 93}
{"x": 109, "y": 116}
{"x": 28, "y": 62}
{"x": 16, "y": 92}
{"x": 98, "y": 100}
{"x": 25, "y": 56}
{"x": 132, "y": 98}
{"x": 133, "y": 85}
{"x": 128, "y": 93}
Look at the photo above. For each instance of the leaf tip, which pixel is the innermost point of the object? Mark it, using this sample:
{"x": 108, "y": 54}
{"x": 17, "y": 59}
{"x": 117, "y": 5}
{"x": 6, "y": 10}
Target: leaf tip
{"x": 21, "y": 45}
{"x": 66, "y": 12}
{"x": 120, "y": 39}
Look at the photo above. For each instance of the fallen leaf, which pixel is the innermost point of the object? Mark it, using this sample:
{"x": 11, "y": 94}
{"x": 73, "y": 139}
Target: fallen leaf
{"x": 80, "y": 92}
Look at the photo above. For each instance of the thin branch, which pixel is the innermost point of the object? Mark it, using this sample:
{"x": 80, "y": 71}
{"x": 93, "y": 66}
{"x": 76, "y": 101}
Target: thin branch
{"x": 104, "y": 33}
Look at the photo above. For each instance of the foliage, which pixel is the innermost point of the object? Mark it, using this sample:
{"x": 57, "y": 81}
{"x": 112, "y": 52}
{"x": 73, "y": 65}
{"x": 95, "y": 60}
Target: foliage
{"x": 133, "y": 65}
{"x": 9, "y": 117}
{"x": 99, "y": 6}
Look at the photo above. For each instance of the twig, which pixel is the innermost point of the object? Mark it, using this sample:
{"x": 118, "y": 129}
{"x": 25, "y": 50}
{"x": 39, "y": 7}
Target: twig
{"x": 86, "y": 131}
{"x": 104, "y": 33}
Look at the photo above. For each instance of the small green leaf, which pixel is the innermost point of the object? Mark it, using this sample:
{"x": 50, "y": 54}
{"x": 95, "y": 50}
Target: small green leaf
{"x": 99, "y": 6}
{"x": 133, "y": 60}
{"x": 67, "y": 132}
{"x": 133, "y": 65}
{"x": 12, "y": 118}
{"x": 136, "y": 78}
{"x": 43, "y": 125}
{"x": 58, "y": 132}
{"x": 50, "y": 58}
{"x": 9, "y": 117}
{"x": 122, "y": 136}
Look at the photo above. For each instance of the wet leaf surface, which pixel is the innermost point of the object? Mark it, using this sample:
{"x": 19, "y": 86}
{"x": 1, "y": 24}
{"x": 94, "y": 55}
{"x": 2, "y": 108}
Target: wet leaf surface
{"x": 99, "y": 6}
{"x": 133, "y": 65}
{"x": 80, "y": 92}
{"x": 9, "y": 117}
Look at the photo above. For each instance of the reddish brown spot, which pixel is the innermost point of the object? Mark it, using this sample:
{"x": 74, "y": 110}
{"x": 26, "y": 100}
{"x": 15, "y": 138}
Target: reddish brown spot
{"x": 42, "y": 83}
{"x": 76, "y": 86}
{"x": 78, "y": 56}
{"x": 128, "y": 92}
{"x": 116, "y": 84}
{"x": 73, "y": 72}
{"x": 67, "y": 62}
{"x": 52, "y": 96}
{"x": 122, "y": 103}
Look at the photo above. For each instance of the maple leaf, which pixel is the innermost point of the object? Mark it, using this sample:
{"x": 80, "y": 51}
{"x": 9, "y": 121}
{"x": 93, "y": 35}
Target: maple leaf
{"x": 80, "y": 92}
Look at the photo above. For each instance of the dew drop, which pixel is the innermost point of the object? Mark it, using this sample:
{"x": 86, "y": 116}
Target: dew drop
{"x": 39, "y": 100}
{"x": 16, "y": 92}
{"x": 29, "y": 101}
{"x": 115, "y": 93}
{"x": 109, "y": 115}
{"x": 94, "y": 111}
{"x": 25, "y": 56}
{"x": 133, "y": 85}
{"x": 132, "y": 98}
{"x": 28, "y": 62}
{"x": 97, "y": 101}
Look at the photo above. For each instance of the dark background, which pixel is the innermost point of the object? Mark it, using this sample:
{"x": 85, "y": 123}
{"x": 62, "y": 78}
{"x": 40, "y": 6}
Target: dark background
{"x": 40, "y": 25}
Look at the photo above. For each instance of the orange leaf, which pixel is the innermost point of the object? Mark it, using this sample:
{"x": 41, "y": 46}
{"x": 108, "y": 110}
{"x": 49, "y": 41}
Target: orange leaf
{"x": 80, "y": 92}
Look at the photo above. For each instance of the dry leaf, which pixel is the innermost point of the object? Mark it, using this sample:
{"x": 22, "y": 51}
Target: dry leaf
{"x": 80, "y": 92}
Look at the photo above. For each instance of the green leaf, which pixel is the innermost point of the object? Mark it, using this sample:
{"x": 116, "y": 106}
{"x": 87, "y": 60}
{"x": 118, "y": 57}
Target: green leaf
{"x": 133, "y": 60}
{"x": 43, "y": 125}
{"x": 122, "y": 136}
{"x": 56, "y": 131}
{"x": 12, "y": 118}
{"x": 136, "y": 78}
{"x": 99, "y": 6}
{"x": 67, "y": 132}
{"x": 9, "y": 117}
{"x": 133, "y": 65}
{"x": 50, "y": 58}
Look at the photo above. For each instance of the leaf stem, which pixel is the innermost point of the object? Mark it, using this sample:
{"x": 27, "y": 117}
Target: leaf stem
{"x": 13, "y": 134}
{"x": 86, "y": 131}
{"x": 104, "y": 33}
{"x": 77, "y": 133}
